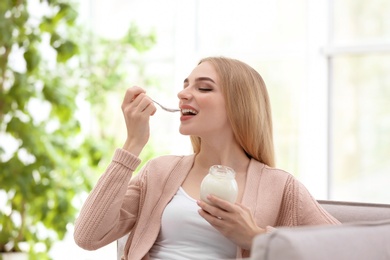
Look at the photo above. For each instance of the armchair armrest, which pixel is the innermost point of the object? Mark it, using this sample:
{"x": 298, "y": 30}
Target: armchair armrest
{"x": 362, "y": 241}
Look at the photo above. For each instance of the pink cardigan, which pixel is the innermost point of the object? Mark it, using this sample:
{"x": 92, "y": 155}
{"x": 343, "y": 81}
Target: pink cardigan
{"x": 120, "y": 204}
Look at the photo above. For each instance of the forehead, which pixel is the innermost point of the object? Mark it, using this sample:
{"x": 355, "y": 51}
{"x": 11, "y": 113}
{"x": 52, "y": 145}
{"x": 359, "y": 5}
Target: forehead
{"x": 203, "y": 70}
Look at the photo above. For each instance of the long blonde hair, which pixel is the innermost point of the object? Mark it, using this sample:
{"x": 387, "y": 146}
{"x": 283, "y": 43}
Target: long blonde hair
{"x": 247, "y": 106}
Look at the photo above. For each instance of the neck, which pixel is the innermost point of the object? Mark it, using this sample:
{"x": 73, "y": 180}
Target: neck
{"x": 226, "y": 153}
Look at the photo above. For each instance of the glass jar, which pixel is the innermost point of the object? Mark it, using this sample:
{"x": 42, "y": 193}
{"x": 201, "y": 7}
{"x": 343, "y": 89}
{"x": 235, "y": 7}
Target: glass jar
{"x": 220, "y": 182}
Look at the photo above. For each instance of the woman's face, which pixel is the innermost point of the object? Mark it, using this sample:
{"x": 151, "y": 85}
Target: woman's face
{"x": 202, "y": 104}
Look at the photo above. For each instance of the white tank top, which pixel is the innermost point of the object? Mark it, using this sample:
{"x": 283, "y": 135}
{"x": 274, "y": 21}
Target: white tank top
{"x": 184, "y": 234}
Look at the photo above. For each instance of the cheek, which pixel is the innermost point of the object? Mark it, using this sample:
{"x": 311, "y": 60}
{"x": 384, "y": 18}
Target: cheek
{"x": 218, "y": 118}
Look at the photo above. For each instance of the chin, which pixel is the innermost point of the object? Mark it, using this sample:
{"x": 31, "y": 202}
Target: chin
{"x": 184, "y": 132}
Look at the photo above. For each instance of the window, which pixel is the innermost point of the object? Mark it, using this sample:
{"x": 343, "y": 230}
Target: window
{"x": 325, "y": 64}
{"x": 359, "y": 62}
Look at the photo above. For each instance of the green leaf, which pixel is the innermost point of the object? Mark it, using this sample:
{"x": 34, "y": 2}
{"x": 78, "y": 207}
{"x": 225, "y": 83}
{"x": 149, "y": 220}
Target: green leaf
{"x": 55, "y": 39}
{"x": 67, "y": 13}
{"x": 47, "y": 25}
{"x": 32, "y": 58}
{"x": 66, "y": 51}
{"x": 21, "y": 90}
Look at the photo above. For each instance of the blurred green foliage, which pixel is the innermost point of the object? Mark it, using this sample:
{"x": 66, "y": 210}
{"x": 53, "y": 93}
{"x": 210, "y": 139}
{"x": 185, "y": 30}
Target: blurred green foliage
{"x": 53, "y": 160}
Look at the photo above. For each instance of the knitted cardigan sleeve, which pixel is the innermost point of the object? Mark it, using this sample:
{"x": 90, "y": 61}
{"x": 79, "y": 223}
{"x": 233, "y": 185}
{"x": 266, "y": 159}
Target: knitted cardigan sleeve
{"x": 299, "y": 208}
{"x": 103, "y": 218}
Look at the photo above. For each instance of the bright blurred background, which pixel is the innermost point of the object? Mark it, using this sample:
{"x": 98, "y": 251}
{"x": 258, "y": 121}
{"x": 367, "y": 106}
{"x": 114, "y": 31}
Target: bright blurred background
{"x": 326, "y": 65}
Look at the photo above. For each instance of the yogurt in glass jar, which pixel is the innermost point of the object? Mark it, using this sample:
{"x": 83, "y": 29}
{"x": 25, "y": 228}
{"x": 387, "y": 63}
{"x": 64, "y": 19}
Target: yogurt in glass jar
{"x": 220, "y": 182}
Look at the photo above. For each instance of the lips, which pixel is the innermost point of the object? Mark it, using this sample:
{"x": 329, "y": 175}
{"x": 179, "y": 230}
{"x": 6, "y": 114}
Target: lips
{"x": 187, "y": 112}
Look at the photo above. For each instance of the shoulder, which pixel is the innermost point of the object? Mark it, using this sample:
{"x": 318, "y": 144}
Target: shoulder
{"x": 266, "y": 189}
{"x": 164, "y": 165}
{"x": 271, "y": 174}
{"x": 169, "y": 161}
{"x": 277, "y": 172}
{"x": 292, "y": 186}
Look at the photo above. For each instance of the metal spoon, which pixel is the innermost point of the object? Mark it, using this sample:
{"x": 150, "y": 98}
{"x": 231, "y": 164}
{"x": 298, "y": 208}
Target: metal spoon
{"x": 167, "y": 109}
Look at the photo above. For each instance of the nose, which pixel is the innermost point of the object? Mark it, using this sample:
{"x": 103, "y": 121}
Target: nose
{"x": 184, "y": 94}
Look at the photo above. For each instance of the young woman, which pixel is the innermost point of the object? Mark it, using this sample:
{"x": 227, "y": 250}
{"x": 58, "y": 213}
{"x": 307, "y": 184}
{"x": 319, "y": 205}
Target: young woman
{"x": 226, "y": 110}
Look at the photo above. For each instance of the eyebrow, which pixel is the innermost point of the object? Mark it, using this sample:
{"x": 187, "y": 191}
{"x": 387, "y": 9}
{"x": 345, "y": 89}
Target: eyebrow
{"x": 201, "y": 79}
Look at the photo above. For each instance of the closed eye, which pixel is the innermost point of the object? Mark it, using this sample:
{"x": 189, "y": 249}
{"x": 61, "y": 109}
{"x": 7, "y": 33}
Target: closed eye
{"x": 205, "y": 89}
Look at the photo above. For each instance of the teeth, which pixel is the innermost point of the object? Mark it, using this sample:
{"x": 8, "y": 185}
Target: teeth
{"x": 189, "y": 111}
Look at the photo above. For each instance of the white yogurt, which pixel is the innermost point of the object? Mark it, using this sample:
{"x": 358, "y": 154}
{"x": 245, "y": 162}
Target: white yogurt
{"x": 220, "y": 182}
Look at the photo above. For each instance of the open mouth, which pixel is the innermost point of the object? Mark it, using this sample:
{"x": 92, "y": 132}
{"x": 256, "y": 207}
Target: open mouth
{"x": 189, "y": 112}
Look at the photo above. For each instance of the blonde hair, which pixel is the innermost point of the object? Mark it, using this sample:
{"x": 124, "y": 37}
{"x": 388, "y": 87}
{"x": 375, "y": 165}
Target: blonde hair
{"x": 247, "y": 106}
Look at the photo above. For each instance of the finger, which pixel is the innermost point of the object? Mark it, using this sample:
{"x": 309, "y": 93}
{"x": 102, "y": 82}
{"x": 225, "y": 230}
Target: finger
{"x": 132, "y": 93}
{"x": 150, "y": 109}
{"x": 220, "y": 203}
{"x": 241, "y": 206}
{"x": 213, "y": 220}
{"x": 140, "y": 101}
{"x": 143, "y": 103}
{"x": 211, "y": 210}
